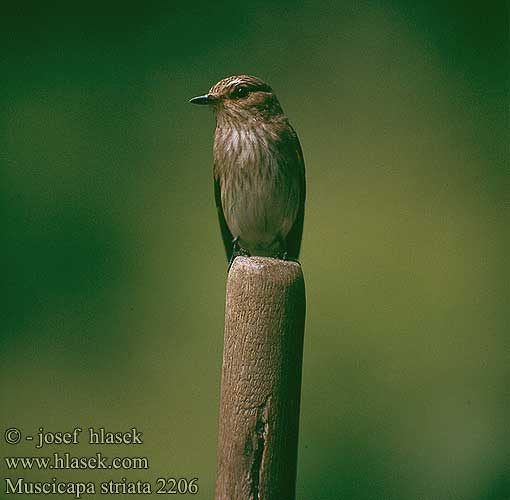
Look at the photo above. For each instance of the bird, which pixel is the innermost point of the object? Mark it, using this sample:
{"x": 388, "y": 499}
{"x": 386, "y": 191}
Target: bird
{"x": 259, "y": 170}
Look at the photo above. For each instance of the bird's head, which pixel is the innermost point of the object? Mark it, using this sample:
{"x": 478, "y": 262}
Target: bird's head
{"x": 241, "y": 98}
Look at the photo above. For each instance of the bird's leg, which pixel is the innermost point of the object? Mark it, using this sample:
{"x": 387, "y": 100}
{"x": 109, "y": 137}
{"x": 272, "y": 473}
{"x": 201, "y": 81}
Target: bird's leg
{"x": 237, "y": 250}
{"x": 283, "y": 254}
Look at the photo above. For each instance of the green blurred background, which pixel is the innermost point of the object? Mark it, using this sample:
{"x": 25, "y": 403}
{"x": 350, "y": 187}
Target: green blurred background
{"x": 114, "y": 271}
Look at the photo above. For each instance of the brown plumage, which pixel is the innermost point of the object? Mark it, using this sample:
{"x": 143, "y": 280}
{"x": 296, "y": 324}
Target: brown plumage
{"x": 259, "y": 172}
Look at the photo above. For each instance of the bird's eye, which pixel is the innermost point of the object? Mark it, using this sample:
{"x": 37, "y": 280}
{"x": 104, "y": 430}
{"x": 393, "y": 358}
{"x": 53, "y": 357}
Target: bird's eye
{"x": 241, "y": 92}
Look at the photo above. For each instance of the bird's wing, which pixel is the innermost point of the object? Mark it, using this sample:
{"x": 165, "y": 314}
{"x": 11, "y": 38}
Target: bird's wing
{"x": 293, "y": 240}
{"x": 225, "y": 231}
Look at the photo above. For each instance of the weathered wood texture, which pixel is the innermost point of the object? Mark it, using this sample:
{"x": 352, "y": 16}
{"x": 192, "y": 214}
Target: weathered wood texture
{"x": 261, "y": 380}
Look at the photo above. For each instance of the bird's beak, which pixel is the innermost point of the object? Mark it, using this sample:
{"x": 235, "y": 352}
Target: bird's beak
{"x": 201, "y": 99}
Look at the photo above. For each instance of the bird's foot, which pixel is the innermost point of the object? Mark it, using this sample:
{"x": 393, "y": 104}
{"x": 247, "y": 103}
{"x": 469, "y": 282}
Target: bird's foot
{"x": 237, "y": 251}
{"x": 284, "y": 255}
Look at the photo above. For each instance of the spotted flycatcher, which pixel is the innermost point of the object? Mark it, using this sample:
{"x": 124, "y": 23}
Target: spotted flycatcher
{"x": 259, "y": 172}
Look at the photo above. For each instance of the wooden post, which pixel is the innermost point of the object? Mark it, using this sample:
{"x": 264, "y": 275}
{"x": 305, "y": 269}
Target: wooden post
{"x": 261, "y": 380}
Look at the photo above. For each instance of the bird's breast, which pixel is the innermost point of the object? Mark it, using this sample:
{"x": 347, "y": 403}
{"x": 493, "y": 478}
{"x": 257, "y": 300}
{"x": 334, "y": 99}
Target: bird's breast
{"x": 259, "y": 186}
